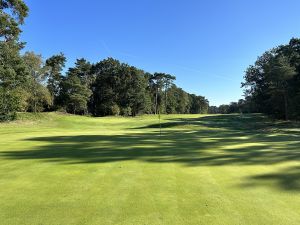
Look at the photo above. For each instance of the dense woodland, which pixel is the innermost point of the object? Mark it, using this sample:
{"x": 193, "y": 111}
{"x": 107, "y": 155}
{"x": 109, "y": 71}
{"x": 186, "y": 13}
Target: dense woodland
{"x": 110, "y": 87}
{"x": 272, "y": 84}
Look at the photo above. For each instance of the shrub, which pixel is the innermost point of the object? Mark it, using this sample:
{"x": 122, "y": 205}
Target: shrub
{"x": 115, "y": 110}
{"x": 10, "y": 103}
{"x": 126, "y": 111}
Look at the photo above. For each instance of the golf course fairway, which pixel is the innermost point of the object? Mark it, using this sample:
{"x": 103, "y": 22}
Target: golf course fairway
{"x": 59, "y": 169}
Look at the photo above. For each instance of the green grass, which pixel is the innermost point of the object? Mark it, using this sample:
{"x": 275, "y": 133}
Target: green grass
{"x": 60, "y": 169}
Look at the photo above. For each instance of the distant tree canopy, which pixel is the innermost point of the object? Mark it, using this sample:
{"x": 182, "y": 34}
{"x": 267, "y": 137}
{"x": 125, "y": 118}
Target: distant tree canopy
{"x": 108, "y": 87}
{"x": 242, "y": 106}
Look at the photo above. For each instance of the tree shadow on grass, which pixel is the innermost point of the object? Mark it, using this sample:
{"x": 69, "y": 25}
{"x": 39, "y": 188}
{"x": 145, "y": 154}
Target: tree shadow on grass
{"x": 220, "y": 140}
{"x": 232, "y": 122}
{"x": 286, "y": 179}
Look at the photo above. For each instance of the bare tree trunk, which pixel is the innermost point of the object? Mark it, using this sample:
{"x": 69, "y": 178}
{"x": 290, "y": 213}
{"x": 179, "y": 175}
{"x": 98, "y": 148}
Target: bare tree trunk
{"x": 286, "y": 106}
{"x": 156, "y": 101}
{"x": 35, "y": 98}
{"x": 35, "y": 106}
{"x": 166, "y": 100}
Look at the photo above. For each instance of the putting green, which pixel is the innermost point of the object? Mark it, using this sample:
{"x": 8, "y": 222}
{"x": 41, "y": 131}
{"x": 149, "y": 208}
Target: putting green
{"x": 60, "y": 169}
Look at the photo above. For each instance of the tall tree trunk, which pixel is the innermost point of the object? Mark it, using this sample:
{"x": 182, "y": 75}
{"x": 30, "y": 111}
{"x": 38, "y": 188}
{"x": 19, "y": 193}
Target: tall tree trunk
{"x": 166, "y": 100}
{"x": 286, "y": 106}
{"x": 35, "y": 106}
{"x": 156, "y": 101}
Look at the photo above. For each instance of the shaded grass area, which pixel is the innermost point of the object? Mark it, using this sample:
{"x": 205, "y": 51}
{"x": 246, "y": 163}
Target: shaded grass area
{"x": 240, "y": 141}
{"x": 230, "y": 159}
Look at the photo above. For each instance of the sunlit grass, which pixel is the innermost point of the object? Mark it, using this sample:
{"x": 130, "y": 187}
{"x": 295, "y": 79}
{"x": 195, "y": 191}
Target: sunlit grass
{"x": 220, "y": 169}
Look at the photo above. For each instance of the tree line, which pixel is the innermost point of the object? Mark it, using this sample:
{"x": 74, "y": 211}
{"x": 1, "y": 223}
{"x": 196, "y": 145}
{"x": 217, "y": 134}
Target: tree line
{"x": 241, "y": 106}
{"x": 108, "y": 87}
{"x": 272, "y": 85}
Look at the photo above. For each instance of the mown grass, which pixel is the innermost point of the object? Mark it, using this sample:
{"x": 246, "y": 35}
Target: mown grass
{"x": 220, "y": 169}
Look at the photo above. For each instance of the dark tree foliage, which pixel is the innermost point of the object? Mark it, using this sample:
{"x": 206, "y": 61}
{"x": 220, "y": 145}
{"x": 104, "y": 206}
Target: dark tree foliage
{"x": 13, "y": 72}
{"x": 38, "y": 95}
{"x": 273, "y": 82}
{"x": 242, "y": 106}
{"x": 55, "y": 64}
{"x": 156, "y": 80}
{"x": 272, "y": 85}
{"x": 75, "y": 88}
{"x": 104, "y": 95}
{"x": 160, "y": 84}
{"x": 82, "y": 70}
{"x": 199, "y": 104}
{"x": 118, "y": 85}
{"x": 110, "y": 87}
{"x": 12, "y": 14}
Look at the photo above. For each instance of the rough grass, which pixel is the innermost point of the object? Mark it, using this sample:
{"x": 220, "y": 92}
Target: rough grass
{"x": 60, "y": 169}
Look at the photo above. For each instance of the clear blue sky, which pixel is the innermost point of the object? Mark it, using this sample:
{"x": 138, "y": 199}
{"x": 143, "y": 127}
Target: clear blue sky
{"x": 206, "y": 44}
